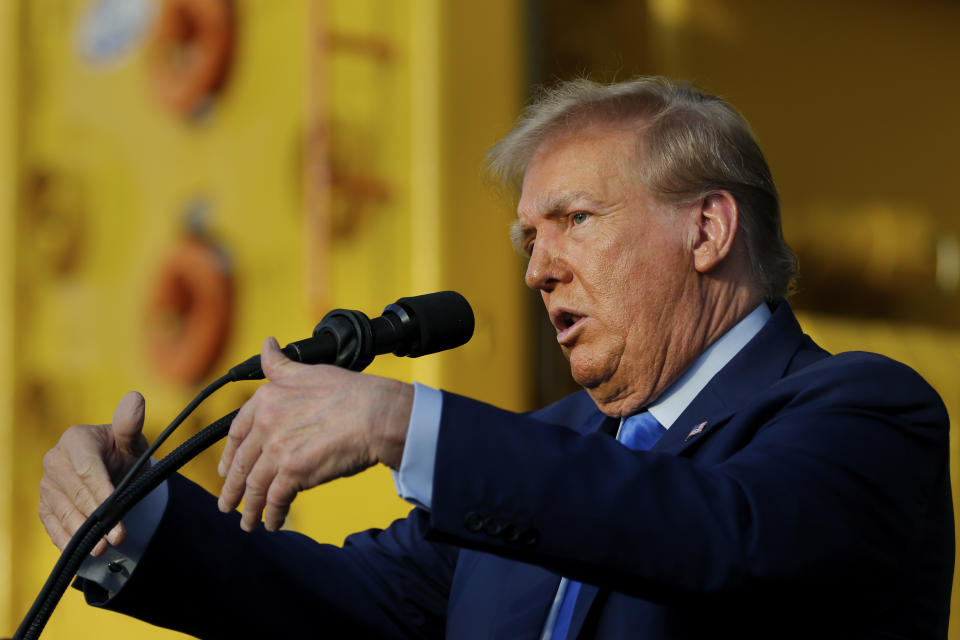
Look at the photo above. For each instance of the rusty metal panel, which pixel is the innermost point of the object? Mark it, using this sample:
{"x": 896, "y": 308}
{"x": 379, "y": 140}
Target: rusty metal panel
{"x": 327, "y": 162}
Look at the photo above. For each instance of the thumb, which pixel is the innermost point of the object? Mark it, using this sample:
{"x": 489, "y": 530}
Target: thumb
{"x": 128, "y": 423}
{"x": 274, "y": 363}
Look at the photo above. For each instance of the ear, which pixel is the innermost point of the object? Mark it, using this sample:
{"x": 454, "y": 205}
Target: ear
{"x": 718, "y": 224}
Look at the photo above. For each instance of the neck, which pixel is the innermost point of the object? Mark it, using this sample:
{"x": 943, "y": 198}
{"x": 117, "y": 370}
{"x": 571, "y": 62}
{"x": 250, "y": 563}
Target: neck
{"x": 718, "y": 306}
{"x": 723, "y": 307}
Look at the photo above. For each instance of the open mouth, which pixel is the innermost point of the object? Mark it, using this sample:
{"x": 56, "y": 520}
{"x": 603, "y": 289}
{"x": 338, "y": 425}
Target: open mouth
{"x": 566, "y": 323}
{"x": 567, "y": 320}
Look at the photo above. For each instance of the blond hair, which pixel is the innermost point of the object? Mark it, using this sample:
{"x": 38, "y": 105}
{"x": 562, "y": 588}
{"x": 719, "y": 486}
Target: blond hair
{"x": 689, "y": 144}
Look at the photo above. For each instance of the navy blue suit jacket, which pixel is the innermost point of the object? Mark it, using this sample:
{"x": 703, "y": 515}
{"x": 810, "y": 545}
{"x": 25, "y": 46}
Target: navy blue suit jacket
{"x": 799, "y": 495}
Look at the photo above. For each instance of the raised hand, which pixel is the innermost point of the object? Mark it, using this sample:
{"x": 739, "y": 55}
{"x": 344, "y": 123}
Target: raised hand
{"x": 309, "y": 424}
{"x": 80, "y": 471}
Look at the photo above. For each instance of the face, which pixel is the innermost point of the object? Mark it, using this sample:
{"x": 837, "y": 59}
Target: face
{"x": 613, "y": 266}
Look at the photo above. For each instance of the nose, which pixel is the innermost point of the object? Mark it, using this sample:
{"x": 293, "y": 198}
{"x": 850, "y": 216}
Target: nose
{"x": 547, "y": 267}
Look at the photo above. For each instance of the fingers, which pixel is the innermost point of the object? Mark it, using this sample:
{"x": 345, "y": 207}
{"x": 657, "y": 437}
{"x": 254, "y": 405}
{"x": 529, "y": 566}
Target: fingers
{"x": 239, "y": 428}
{"x": 62, "y": 518}
{"x": 274, "y": 363}
{"x": 236, "y": 469}
{"x": 57, "y": 514}
{"x": 239, "y": 456}
{"x": 75, "y": 482}
{"x": 255, "y": 491}
{"x": 267, "y": 493}
{"x": 251, "y": 469}
{"x": 283, "y": 440}
{"x": 282, "y": 491}
{"x": 90, "y": 483}
{"x": 77, "y": 471}
{"x": 253, "y": 476}
{"x": 128, "y": 423}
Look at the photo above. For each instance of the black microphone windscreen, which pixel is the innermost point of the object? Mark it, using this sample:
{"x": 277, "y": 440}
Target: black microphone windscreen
{"x": 444, "y": 320}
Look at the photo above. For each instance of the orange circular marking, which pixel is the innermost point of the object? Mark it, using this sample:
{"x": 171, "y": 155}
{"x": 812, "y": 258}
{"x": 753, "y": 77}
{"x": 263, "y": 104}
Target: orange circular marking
{"x": 190, "y": 51}
{"x": 189, "y": 312}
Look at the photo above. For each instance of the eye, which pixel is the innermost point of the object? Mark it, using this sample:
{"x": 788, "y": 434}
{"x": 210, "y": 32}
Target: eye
{"x": 528, "y": 249}
{"x": 579, "y": 217}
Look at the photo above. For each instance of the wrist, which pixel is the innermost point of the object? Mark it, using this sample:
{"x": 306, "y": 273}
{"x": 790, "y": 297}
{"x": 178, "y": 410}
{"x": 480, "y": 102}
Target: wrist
{"x": 391, "y": 425}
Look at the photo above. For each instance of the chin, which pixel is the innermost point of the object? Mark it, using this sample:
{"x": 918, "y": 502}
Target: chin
{"x": 587, "y": 374}
{"x": 612, "y": 393}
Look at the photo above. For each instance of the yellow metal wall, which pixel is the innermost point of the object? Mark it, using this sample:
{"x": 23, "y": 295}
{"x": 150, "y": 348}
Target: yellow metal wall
{"x": 339, "y": 166}
{"x": 9, "y": 59}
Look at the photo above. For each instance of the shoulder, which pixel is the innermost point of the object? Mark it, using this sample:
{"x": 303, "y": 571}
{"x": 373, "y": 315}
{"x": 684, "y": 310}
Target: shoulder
{"x": 863, "y": 381}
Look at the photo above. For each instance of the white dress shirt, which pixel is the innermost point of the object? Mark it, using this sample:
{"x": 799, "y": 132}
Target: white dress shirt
{"x": 414, "y": 481}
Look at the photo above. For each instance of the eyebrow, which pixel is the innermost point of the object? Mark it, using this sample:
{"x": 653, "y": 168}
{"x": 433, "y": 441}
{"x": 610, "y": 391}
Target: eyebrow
{"x": 516, "y": 235}
{"x": 559, "y": 203}
{"x": 552, "y": 206}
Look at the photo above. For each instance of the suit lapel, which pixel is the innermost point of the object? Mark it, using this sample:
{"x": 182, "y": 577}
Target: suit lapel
{"x": 763, "y": 361}
{"x": 706, "y": 413}
{"x": 673, "y": 441}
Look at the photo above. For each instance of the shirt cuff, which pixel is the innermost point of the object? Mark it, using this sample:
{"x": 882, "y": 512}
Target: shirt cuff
{"x": 414, "y": 480}
{"x": 115, "y": 566}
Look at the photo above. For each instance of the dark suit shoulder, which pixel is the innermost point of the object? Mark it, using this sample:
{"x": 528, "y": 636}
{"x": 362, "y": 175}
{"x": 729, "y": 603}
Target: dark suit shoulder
{"x": 860, "y": 380}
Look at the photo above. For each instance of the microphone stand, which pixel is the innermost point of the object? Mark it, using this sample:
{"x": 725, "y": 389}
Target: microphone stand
{"x": 412, "y": 326}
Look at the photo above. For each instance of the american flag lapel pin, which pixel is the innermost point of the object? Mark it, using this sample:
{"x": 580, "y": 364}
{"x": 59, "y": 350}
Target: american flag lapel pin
{"x": 696, "y": 430}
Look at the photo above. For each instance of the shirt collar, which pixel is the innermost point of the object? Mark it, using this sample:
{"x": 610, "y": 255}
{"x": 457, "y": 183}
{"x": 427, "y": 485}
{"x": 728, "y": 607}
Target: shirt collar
{"x": 681, "y": 393}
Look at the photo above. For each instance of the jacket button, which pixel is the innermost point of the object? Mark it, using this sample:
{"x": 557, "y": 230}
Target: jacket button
{"x": 529, "y": 536}
{"x": 511, "y": 533}
{"x": 473, "y": 521}
{"x": 493, "y": 527}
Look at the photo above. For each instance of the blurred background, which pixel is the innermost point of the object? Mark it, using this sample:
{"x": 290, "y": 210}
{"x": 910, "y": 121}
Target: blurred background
{"x": 180, "y": 179}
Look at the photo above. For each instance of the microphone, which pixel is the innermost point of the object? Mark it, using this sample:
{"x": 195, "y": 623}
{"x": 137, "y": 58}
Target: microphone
{"x": 413, "y": 327}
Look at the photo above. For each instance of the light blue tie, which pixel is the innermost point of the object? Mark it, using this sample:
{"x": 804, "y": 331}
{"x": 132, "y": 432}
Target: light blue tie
{"x": 639, "y": 432}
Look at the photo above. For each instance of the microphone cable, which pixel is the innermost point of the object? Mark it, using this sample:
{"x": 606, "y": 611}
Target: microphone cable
{"x": 109, "y": 514}
{"x": 413, "y": 326}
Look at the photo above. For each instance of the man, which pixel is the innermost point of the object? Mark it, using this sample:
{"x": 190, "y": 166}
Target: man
{"x": 785, "y": 492}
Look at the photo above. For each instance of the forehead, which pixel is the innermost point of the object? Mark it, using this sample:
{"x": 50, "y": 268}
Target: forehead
{"x": 590, "y": 163}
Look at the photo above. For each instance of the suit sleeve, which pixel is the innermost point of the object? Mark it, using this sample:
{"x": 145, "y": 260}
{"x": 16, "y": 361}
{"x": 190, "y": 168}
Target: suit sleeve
{"x": 821, "y": 482}
{"x": 204, "y": 576}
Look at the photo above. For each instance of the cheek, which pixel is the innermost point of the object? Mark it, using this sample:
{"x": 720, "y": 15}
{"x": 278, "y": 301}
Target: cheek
{"x": 648, "y": 285}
